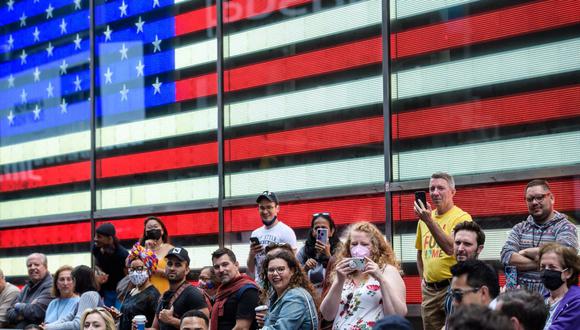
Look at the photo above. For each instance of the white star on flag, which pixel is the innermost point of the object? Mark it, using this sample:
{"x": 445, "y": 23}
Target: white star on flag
{"x": 63, "y": 106}
{"x": 23, "y": 57}
{"x": 49, "y": 49}
{"x": 139, "y": 25}
{"x": 10, "y": 118}
{"x": 63, "y": 26}
{"x": 10, "y": 4}
{"x": 123, "y": 51}
{"x": 23, "y": 19}
{"x": 49, "y": 89}
{"x": 10, "y": 42}
{"x": 36, "y": 34}
{"x": 49, "y": 10}
{"x": 123, "y": 9}
{"x": 156, "y": 44}
{"x": 77, "y": 42}
{"x": 124, "y": 93}
{"x": 77, "y": 83}
{"x": 11, "y": 81}
{"x": 156, "y": 3}
{"x": 139, "y": 68}
{"x": 77, "y": 4}
{"x": 23, "y": 96}
{"x": 36, "y": 74}
{"x": 36, "y": 112}
{"x": 157, "y": 86}
{"x": 63, "y": 67}
{"x": 108, "y": 76}
{"x": 107, "y": 33}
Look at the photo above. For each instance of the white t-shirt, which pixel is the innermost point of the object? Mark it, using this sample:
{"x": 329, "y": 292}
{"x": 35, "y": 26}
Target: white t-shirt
{"x": 280, "y": 233}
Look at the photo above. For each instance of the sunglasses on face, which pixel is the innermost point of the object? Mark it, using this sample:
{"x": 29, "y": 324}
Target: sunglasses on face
{"x": 457, "y": 294}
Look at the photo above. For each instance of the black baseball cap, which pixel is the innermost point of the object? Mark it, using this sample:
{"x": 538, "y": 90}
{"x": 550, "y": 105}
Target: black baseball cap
{"x": 106, "y": 229}
{"x": 180, "y": 253}
{"x": 269, "y": 195}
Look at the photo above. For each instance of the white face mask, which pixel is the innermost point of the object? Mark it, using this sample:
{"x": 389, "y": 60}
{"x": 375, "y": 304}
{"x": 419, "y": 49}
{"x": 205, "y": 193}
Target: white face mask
{"x": 138, "y": 278}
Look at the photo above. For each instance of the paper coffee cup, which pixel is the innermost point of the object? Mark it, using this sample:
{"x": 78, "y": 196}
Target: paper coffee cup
{"x": 261, "y": 308}
{"x": 140, "y": 321}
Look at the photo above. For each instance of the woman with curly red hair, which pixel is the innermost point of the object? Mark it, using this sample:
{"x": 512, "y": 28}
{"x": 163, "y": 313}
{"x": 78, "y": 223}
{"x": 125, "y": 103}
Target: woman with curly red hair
{"x": 143, "y": 298}
{"x": 367, "y": 284}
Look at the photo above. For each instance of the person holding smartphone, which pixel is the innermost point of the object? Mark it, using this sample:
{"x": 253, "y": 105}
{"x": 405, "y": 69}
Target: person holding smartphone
{"x": 366, "y": 282}
{"x": 320, "y": 245}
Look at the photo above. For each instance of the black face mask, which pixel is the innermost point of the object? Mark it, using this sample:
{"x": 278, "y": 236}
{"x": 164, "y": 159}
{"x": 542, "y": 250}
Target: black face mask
{"x": 269, "y": 223}
{"x": 552, "y": 279}
{"x": 153, "y": 234}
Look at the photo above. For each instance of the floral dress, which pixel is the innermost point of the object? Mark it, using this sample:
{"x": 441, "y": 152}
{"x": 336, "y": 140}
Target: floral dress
{"x": 361, "y": 306}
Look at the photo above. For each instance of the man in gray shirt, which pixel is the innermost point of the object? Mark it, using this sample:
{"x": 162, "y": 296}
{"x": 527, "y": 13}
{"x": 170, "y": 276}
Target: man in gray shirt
{"x": 8, "y": 293}
{"x": 30, "y": 306}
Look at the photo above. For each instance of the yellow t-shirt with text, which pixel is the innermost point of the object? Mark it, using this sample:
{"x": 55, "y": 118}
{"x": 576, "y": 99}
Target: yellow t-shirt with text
{"x": 436, "y": 263}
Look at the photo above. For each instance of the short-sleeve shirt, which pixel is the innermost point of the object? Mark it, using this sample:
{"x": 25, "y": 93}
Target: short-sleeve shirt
{"x": 436, "y": 263}
{"x": 242, "y": 308}
{"x": 280, "y": 233}
{"x": 190, "y": 298}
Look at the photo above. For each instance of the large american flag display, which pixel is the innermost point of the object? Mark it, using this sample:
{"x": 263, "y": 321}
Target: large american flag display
{"x": 478, "y": 87}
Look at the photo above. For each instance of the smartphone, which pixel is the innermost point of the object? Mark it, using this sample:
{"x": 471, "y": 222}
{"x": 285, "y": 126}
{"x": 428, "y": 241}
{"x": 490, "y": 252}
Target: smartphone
{"x": 357, "y": 263}
{"x": 421, "y": 196}
{"x": 511, "y": 277}
{"x": 322, "y": 235}
{"x": 254, "y": 241}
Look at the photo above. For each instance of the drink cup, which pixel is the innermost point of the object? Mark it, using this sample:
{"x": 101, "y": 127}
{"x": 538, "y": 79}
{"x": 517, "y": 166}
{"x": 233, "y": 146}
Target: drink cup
{"x": 261, "y": 312}
{"x": 140, "y": 321}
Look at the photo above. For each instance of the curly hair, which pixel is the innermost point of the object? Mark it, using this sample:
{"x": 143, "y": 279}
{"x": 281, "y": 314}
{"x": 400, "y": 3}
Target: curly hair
{"x": 298, "y": 279}
{"x": 381, "y": 251}
{"x": 138, "y": 252}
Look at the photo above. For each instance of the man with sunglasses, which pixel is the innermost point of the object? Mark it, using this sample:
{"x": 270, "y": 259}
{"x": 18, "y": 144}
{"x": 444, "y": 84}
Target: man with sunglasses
{"x": 474, "y": 282}
{"x": 273, "y": 231}
{"x": 543, "y": 225}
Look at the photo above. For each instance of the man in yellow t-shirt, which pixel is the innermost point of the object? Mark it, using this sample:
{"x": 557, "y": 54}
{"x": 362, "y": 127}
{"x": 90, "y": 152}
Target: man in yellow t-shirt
{"x": 434, "y": 245}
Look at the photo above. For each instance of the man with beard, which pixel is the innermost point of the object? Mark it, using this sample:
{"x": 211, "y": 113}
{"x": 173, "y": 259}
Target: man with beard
{"x": 468, "y": 241}
{"x": 434, "y": 244}
{"x": 181, "y": 296}
{"x": 30, "y": 306}
{"x": 273, "y": 231}
{"x": 236, "y": 297}
{"x": 543, "y": 225}
{"x": 110, "y": 258}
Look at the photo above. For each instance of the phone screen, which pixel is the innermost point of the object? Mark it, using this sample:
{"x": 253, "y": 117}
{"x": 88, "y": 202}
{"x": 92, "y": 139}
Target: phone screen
{"x": 421, "y": 196}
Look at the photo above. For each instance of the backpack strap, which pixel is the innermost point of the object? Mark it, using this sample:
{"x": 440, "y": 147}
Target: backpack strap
{"x": 243, "y": 289}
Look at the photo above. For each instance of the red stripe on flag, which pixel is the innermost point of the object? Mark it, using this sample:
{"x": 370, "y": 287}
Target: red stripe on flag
{"x": 338, "y": 58}
{"x": 519, "y": 109}
{"x": 504, "y": 23}
{"x": 235, "y": 10}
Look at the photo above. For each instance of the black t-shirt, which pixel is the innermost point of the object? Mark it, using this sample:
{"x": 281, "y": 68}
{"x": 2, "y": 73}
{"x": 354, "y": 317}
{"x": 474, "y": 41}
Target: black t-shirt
{"x": 112, "y": 264}
{"x": 190, "y": 298}
{"x": 143, "y": 303}
{"x": 240, "y": 309}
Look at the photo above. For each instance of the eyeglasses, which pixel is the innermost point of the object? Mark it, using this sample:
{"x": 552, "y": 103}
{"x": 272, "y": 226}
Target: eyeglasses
{"x": 537, "y": 198}
{"x": 278, "y": 270}
{"x": 137, "y": 269}
{"x": 325, "y": 214}
{"x": 457, "y": 294}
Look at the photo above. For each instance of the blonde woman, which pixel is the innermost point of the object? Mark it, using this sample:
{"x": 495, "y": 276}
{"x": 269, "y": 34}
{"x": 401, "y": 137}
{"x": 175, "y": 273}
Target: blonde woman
{"x": 366, "y": 283}
{"x": 97, "y": 319}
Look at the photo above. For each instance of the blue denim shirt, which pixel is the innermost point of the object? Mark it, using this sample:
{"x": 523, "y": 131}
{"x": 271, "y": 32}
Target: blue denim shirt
{"x": 293, "y": 311}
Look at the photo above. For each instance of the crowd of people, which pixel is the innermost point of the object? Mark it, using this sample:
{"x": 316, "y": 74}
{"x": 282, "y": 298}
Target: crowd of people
{"x": 353, "y": 281}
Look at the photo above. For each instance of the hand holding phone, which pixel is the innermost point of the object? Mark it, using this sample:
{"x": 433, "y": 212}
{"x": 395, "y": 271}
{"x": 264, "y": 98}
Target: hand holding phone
{"x": 421, "y": 196}
{"x": 322, "y": 235}
{"x": 357, "y": 264}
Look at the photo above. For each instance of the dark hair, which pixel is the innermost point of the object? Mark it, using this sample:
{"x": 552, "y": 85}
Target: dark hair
{"x": 473, "y": 227}
{"x": 84, "y": 278}
{"x": 55, "y": 291}
{"x": 273, "y": 246}
{"x": 527, "y": 307}
{"x": 568, "y": 258}
{"x": 297, "y": 280}
{"x": 334, "y": 241}
{"x": 478, "y": 274}
{"x": 223, "y": 251}
{"x": 164, "y": 236}
{"x": 538, "y": 182}
{"x": 213, "y": 276}
{"x": 477, "y": 317}
{"x": 32, "y": 326}
{"x": 194, "y": 313}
